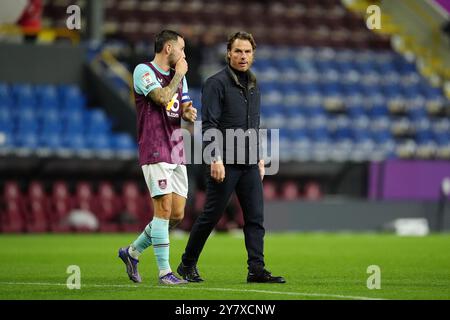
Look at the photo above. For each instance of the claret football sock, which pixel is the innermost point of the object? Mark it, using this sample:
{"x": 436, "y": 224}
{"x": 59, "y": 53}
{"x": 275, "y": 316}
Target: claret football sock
{"x": 160, "y": 239}
{"x": 142, "y": 242}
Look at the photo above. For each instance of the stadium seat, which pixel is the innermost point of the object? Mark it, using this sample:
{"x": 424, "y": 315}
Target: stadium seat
{"x": 135, "y": 204}
{"x": 75, "y": 142}
{"x": 270, "y": 190}
{"x": 74, "y": 121}
{"x": 290, "y": 190}
{"x": 61, "y": 203}
{"x": 124, "y": 142}
{"x": 23, "y": 95}
{"x": 71, "y": 98}
{"x": 97, "y": 122}
{"x": 27, "y": 140}
{"x": 312, "y": 191}
{"x": 6, "y": 120}
{"x": 100, "y": 142}
{"x": 37, "y": 208}
{"x": 12, "y": 215}
{"x": 85, "y": 198}
{"x": 51, "y": 141}
{"x": 109, "y": 208}
{"x": 47, "y": 97}
{"x": 5, "y": 95}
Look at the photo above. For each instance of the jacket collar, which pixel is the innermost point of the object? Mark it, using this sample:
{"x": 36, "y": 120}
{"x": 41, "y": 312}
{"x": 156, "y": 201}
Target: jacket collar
{"x": 251, "y": 78}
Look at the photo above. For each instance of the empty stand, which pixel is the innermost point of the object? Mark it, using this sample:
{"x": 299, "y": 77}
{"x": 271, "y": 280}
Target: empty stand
{"x": 305, "y": 23}
{"x": 56, "y": 118}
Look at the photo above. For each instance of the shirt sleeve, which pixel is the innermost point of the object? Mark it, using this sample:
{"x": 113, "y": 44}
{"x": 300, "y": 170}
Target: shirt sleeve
{"x": 144, "y": 79}
{"x": 185, "y": 97}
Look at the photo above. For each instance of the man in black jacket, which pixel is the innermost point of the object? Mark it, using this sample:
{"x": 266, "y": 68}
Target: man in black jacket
{"x": 231, "y": 108}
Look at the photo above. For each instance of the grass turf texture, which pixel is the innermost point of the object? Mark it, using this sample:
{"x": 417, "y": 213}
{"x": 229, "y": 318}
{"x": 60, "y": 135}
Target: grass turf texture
{"x": 316, "y": 266}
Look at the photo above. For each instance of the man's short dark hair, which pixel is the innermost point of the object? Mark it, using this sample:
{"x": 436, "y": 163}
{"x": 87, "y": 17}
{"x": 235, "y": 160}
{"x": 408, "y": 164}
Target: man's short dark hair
{"x": 164, "y": 36}
{"x": 242, "y": 35}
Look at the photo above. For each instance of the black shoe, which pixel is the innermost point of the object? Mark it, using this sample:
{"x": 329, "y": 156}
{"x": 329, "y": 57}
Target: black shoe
{"x": 264, "y": 277}
{"x": 189, "y": 273}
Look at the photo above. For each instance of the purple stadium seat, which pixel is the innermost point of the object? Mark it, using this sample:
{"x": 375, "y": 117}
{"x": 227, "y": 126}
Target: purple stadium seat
{"x": 61, "y": 202}
{"x": 109, "y": 206}
{"x": 37, "y": 208}
{"x": 12, "y": 217}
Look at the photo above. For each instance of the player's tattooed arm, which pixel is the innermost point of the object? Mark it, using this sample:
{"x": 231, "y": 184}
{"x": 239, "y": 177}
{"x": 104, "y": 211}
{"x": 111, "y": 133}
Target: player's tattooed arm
{"x": 162, "y": 96}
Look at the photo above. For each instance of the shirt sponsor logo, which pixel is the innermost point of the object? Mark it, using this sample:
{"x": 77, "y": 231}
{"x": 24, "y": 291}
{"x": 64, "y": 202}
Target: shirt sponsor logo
{"x": 174, "y": 104}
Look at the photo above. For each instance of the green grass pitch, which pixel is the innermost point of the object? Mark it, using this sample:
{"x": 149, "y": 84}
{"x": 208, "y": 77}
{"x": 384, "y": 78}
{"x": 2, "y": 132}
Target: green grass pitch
{"x": 316, "y": 266}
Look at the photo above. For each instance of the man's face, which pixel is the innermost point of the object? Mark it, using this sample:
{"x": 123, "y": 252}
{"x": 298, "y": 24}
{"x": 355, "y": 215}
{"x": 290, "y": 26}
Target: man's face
{"x": 176, "y": 51}
{"x": 241, "y": 55}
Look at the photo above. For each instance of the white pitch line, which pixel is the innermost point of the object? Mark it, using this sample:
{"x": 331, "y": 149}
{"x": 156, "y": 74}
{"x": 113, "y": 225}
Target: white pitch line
{"x": 198, "y": 289}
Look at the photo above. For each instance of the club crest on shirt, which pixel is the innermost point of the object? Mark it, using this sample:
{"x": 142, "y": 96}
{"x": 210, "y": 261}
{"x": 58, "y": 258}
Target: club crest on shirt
{"x": 162, "y": 184}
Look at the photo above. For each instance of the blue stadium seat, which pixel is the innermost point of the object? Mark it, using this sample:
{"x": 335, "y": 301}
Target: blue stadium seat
{"x": 100, "y": 142}
{"x": 71, "y": 97}
{"x": 315, "y": 110}
{"x": 424, "y": 136}
{"x": 6, "y": 99}
{"x": 51, "y": 115}
{"x": 442, "y": 138}
{"x": 292, "y": 97}
{"x": 276, "y": 118}
{"x": 309, "y": 89}
{"x": 343, "y": 133}
{"x": 378, "y": 110}
{"x": 123, "y": 142}
{"x": 360, "y": 135}
{"x": 6, "y": 117}
{"x": 23, "y": 95}
{"x": 50, "y": 126}
{"x": 356, "y": 110}
{"x": 27, "y": 139}
{"x": 381, "y": 136}
{"x": 319, "y": 134}
{"x": 47, "y": 97}
{"x": 75, "y": 141}
{"x": 74, "y": 121}
{"x": 26, "y": 124}
{"x": 51, "y": 140}
{"x": 98, "y": 122}
{"x": 417, "y": 113}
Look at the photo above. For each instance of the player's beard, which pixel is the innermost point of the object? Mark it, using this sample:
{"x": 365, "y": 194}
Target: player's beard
{"x": 172, "y": 61}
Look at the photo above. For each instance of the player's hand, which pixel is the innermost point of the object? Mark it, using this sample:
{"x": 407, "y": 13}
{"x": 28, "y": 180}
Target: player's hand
{"x": 262, "y": 170}
{"x": 181, "y": 67}
{"x": 218, "y": 171}
{"x": 189, "y": 112}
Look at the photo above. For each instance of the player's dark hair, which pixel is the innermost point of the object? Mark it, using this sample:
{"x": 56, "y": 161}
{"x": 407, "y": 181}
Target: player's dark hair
{"x": 242, "y": 35}
{"x": 164, "y": 36}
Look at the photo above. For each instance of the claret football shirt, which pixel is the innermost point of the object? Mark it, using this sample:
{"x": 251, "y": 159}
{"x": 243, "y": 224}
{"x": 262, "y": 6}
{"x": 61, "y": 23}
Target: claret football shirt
{"x": 156, "y": 124}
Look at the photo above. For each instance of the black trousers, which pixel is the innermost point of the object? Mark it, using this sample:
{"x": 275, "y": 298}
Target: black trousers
{"x": 246, "y": 181}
